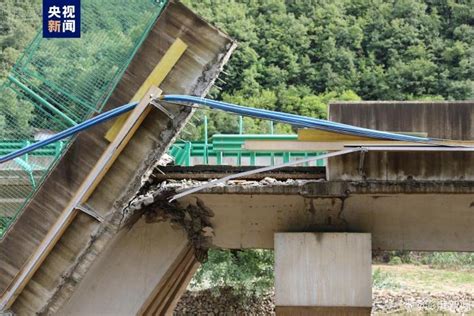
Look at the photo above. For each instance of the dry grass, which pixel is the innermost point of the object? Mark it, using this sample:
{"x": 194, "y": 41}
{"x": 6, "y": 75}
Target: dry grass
{"x": 425, "y": 279}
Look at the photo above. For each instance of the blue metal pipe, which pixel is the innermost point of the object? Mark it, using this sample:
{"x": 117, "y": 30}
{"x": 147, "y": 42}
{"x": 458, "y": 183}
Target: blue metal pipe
{"x": 71, "y": 131}
{"x": 295, "y": 119}
{"x": 241, "y": 110}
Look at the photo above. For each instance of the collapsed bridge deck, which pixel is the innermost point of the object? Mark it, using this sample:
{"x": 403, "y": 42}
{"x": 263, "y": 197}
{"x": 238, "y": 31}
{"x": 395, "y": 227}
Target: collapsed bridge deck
{"x": 409, "y": 214}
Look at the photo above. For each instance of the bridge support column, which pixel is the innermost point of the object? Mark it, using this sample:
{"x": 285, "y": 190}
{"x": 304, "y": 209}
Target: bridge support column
{"x": 323, "y": 274}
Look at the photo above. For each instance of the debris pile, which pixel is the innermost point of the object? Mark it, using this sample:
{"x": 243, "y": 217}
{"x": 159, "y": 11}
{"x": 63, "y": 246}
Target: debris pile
{"x": 180, "y": 185}
{"x": 206, "y": 302}
{"x": 223, "y": 302}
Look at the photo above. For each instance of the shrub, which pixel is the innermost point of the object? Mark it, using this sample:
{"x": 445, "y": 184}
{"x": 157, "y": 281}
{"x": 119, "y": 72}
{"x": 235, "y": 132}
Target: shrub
{"x": 383, "y": 280}
{"x": 247, "y": 272}
{"x": 395, "y": 261}
{"x": 450, "y": 260}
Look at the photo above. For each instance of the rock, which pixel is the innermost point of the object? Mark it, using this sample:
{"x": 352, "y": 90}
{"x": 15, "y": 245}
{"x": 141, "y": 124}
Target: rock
{"x": 268, "y": 180}
{"x": 208, "y": 231}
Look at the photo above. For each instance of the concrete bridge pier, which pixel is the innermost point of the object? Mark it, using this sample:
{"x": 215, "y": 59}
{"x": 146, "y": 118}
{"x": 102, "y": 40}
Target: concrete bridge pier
{"x": 323, "y": 274}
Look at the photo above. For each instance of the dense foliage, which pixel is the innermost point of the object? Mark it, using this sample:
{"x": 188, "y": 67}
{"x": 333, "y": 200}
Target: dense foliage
{"x": 379, "y": 49}
{"x": 293, "y": 53}
{"x": 246, "y": 272}
{"x": 19, "y": 22}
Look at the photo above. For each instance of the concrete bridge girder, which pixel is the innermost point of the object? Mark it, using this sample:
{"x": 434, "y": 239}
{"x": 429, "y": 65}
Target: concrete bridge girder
{"x": 437, "y": 221}
{"x": 141, "y": 259}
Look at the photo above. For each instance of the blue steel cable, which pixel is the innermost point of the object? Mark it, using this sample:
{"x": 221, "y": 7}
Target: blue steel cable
{"x": 71, "y": 131}
{"x": 295, "y": 119}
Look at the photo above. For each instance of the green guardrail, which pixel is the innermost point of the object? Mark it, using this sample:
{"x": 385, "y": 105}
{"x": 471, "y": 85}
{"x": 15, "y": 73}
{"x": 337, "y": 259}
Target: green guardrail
{"x": 221, "y": 146}
{"x": 52, "y": 151}
{"x": 8, "y": 146}
{"x": 23, "y": 167}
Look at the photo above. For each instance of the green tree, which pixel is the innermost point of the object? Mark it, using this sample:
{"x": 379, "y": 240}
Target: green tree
{"x": 378, "y": 49}
{"x": 247, "y": 272}
{"x": 19, "y": 22}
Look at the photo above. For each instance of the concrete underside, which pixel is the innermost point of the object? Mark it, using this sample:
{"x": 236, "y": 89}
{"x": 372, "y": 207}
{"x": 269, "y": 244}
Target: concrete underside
{"x": 423, "y": 216}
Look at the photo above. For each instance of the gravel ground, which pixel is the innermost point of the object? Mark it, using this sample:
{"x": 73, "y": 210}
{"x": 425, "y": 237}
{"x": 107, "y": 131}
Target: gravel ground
{"x": 210, "y": 303}
{"x": 411, "y": 302}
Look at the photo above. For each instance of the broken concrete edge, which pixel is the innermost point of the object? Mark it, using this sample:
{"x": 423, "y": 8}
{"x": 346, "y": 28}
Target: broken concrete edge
{"x": 324, "y": 188}
{"x": 115, "y": 219}
{"x": 152, "y": 202}
{"x": 169, "y": 136}
{"x": 194, "y": 219}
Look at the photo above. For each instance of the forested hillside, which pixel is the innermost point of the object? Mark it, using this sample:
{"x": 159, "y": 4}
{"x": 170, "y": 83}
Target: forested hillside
{"x": 19, "y": 22}
{"x": 400, "y": 49}
{"x": 296, "y": 56}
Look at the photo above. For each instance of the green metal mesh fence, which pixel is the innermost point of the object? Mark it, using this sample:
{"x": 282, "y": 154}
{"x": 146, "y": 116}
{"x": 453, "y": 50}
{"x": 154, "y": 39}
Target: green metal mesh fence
{"x": 57, "y": 83}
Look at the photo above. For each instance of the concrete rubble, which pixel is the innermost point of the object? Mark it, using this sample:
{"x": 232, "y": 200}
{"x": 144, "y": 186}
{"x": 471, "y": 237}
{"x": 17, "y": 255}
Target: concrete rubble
{"x": 153, "y": 192}
{"x": 206, "y": 302}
